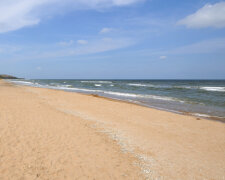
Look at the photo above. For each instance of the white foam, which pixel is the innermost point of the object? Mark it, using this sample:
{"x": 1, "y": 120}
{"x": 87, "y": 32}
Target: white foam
{"x": 202, "y": 115}
{"x": 186, "y": 87}
{"x": 206, "y": 115}
{"x": 107, "y": 82}
{"x": 142, "y": 96}
{"x": 163, "y": 98}
{"x": 98, "y": 85}
{"x": 75, "y": 89}
{"x": 141, "y": 85}
{"x": 220, "y": 89}
{"x": 148, "y": 85}
{"x": 120, "y": 94}
{"x": 22, "y": 82}
{"x": 138, "y": 85}
{"x": 67, "y": 87}
{"x": 103, "y": 82}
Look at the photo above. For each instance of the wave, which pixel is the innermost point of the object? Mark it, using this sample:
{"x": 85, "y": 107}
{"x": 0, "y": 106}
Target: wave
{"x": 54, "y": 84}
{"x": 141, "y": 96}
{"x": 186, "y": 87}
{"x": 147, "y": 85}
{"x": 66, "y": 85}
{"x": 219, "y": 89}
{"x": 138, "y": 85}
{"x": 156, "y": 86}
{"x": 98, "y": 85}
{"x": 21, "y": 82}
{"x": 206, "y": 88}
{"x": 73, "y": 89}
{"x": 121, "y": 94}
{"x": 103, "y": 82}
{"x": 206, "y": 116}
{"x": 201, "y": 115}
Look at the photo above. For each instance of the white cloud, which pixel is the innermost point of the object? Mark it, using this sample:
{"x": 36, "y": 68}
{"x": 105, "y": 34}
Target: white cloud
{"x": 105, "y": 30}
{"x": 16, "y": 14}
{"x": 66, "y": 43}
{"x": 207, "y": 16}
{"x": 162, "y": 57}
{"x": 82, "y": 42}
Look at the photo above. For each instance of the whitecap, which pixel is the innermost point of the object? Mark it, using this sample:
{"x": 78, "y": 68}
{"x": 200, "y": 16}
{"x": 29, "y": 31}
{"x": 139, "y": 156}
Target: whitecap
{"x": 219, "y": 89}
{"x": 104, "y": 82}
{"x": 98, "y": 85}
{"x": 148, "y": 85}
{"x": 138, "y": 85}
{"x": 142, "y": 96}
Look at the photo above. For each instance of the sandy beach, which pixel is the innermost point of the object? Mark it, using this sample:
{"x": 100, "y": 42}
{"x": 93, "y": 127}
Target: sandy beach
{"x": 53, "y": 134}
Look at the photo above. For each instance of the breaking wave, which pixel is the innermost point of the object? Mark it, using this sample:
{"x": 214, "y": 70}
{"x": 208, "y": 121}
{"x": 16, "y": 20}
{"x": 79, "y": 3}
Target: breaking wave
{"x": 219, "y": 89}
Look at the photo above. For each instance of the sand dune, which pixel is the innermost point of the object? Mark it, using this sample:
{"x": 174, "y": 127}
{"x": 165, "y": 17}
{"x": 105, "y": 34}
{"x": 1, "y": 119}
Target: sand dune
{"x": 51, "y": 134}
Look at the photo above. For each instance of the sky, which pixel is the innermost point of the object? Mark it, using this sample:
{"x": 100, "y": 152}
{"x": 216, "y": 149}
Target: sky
{"x": 112, "y": 39}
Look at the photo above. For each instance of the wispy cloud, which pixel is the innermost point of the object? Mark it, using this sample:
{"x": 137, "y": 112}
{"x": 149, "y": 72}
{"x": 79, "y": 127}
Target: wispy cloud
{"x": 96, "y": 46}
{"x": 207, "y": 16}
{"x": 162, "y": 57}
{"x": 203, "y": 47}
{"x": 105, "y": 30}
{"x": 66, "y": 43}
{"x": 102, "y": 45}
{"x": 92, "y": 47}
{"x": 82, "y": 42}
{"x": 16, "y": 14}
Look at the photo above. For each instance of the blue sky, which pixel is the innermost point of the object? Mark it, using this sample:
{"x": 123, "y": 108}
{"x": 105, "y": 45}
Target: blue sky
{"x": 113, "y": 39}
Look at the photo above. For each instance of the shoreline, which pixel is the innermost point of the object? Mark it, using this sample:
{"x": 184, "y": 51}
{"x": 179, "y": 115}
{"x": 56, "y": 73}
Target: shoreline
{"x": 199, "y": 117}
{"x": 196, "y": 115}
{"x": 60, "y": 131}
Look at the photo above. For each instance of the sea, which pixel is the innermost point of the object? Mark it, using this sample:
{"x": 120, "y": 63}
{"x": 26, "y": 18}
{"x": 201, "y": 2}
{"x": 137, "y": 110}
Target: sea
{"x": 202, "y": 98}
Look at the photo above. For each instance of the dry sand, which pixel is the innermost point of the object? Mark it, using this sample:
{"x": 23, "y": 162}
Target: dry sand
{"x": 52, "y": 134}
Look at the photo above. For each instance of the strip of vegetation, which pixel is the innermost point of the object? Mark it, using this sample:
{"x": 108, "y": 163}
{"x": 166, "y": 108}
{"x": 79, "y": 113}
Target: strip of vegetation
{"x": 5, "y": 76}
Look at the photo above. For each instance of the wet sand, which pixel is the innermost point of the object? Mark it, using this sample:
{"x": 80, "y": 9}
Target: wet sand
{"x": 52, "y": 134}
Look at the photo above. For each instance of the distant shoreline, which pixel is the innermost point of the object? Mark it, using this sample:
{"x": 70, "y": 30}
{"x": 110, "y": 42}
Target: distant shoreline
{"x": 5, "y": 76}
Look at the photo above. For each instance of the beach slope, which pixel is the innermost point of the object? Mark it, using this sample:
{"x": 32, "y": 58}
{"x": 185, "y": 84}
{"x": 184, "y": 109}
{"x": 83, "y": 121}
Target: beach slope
{"x": 52, "y": 134}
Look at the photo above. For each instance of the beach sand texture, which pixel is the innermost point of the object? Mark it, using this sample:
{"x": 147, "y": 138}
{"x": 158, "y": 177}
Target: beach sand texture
{"x": 52, "y": 134}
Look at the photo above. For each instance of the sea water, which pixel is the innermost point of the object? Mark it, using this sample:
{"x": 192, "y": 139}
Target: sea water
{"x": 205, "y": 98}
